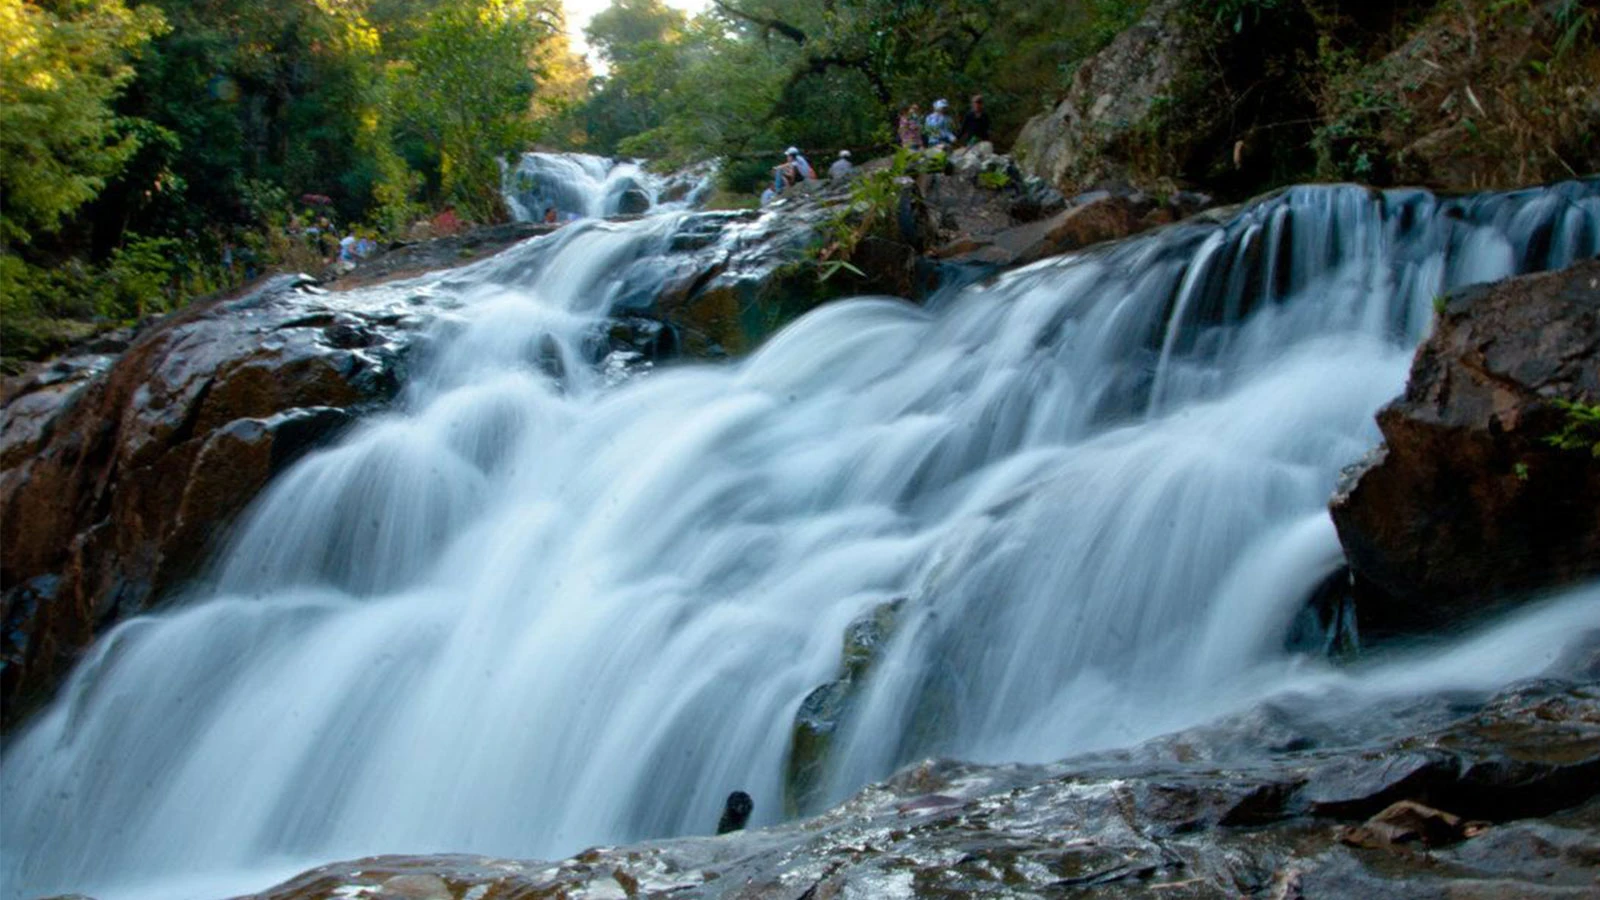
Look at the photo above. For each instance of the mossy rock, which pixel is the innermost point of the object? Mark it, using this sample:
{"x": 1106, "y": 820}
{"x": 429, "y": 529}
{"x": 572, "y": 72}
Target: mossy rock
{"x": 827, "y": 707}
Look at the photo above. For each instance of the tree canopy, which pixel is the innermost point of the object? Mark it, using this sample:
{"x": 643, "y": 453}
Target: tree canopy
{"x": 748, "y": 77}
{"x": 61, "y": 67}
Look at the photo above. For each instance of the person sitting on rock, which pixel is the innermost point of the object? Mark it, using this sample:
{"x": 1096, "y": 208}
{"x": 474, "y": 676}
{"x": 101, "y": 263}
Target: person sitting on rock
{"x": 794, "y": 156}
{"x": 974, "y": 123}
{"x": 936, "y": 127}
{"x": 842, "y": 167}
{"x": 784, "y": 176}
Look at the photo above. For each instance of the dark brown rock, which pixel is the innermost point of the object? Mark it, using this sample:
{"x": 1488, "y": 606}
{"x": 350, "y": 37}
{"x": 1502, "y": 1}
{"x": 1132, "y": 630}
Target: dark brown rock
{"x": 121, "y": 473}
{"x": 1468, "y": 507}
{"x": 1104, "y": 218}
{"x": 1408, "y": 822}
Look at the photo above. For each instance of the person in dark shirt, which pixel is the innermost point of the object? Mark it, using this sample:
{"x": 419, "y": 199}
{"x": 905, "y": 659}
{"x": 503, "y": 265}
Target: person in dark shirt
{"x": 975, "y": 123}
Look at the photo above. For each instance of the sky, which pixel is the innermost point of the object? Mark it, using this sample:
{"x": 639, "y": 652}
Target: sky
{"x": 579, "y": 12}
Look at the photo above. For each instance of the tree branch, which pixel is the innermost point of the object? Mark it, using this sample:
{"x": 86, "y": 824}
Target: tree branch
{"x": 769, "y": 24}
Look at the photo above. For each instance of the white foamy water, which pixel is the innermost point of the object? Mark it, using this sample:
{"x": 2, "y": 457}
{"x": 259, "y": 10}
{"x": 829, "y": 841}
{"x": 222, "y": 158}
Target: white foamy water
{"x": 581, "y": 185}
{"x": 528, "y": 612}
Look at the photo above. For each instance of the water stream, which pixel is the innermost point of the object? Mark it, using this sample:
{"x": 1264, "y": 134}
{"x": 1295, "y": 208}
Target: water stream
{"x": 523, "y": 613}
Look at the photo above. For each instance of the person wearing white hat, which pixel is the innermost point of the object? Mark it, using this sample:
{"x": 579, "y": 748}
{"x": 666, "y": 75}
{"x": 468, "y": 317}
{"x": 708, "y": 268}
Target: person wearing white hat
{"x": 841, "y": 167}
{"x": 937, "y": 126}
{"x": 793, "y": 170}
{"x": 795, "y": 156}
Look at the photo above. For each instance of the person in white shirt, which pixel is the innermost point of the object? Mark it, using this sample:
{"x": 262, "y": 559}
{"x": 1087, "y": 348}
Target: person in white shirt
{"x": 937, "y": 127}
{"x": 794, "y": 156}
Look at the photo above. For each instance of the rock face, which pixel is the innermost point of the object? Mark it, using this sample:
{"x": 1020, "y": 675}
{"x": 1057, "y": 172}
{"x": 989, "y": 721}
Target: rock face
{"x": 1478, "y": 95}
{"x": 1468, "y": 505}
{"x": 1185, "y": 97}
{"x": 1440, "y": 815}
{"x": 121, "y": 472}
{"x": 1119, "y": 98}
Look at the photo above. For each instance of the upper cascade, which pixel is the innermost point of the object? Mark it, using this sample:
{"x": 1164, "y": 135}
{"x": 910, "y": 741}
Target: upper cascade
{"x": 581, "y": 185}
{"x": 536, "y": 608}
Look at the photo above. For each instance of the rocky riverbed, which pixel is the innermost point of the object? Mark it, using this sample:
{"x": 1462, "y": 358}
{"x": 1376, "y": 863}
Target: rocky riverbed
{"x": 1498, "y": 801}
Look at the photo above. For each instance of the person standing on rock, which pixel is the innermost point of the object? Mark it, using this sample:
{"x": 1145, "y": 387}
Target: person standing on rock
{"x": 910, "y": 127}
{"x": 841, "y": 167}
{"x": 974, "y": 123}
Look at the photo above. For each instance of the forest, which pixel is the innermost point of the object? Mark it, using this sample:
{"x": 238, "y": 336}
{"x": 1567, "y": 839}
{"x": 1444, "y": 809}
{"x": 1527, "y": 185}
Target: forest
{"x": 155, "y": 152}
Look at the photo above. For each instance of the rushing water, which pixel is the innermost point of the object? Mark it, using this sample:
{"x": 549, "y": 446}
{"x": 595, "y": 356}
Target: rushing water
{"x": 580, "y": 185}
{"x": 521, "y": 615}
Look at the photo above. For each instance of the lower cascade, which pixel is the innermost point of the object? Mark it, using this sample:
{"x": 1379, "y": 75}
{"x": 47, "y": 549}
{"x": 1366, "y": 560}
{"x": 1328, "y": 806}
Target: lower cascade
{"x": 543, "y": 605}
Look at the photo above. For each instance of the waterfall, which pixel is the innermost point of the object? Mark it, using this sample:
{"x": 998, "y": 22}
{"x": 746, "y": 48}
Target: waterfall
{"x": 531, "y": 609}
{"x": 580, "y": 185}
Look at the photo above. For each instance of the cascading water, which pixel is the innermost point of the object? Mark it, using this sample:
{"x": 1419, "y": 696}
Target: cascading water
{"x": 530, "y": 610}
{"x": 579, "y": 185}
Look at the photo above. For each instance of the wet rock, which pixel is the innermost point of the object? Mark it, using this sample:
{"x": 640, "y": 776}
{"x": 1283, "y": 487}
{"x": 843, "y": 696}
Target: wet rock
{"x": 825, "y": 709}
{"x": 735, "y": 813}
{"x": 633, "y": 201}
{"x": 415, "y": 887}
{"x": 1326, "y": 624}
{"x": 1133, "y": 827}
{"x": 1408, "y": 822}
{"x": 1468, "y": 507}
{"x": 121, "y": 472}
{"x": 1091, "y": 221}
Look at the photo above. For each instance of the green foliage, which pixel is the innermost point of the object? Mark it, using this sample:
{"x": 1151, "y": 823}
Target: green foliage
{"x": 143, "y": 277}
{"x": 1576, "y": 22}
{"x": 875, "y": 198}
{"x": 1240, "y": 14}
{"x": 464, "y": 87}
{"x": 201, "y": 125}
{"x": 140, "y": 278}
{"x": 994, "y": 180}
{"x": 832, "y": 267}
{"x": 61, "y": 67}
{"x": 1580, "y": 431}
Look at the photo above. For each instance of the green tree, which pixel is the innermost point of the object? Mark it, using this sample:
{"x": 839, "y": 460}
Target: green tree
{"x": 627, "y": 28}
{"x": 62, "y": 64}
{"x": 465, "y": 85}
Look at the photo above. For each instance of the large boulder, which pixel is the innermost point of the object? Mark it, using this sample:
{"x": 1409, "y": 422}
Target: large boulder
{"x": 1181, "y": 97}
{"x": 1470, "y": 504}
{"x": 120, "y": 472}
{"x": 1116, "y": 97}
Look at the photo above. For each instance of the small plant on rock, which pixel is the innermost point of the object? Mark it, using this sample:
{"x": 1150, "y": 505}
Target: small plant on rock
{"x": 1581, "y": 431}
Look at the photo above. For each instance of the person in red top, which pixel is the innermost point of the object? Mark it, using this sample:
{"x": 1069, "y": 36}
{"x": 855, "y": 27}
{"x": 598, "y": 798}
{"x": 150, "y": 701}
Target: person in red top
{"x": 446, "y": 222}
{"x": 910, "y": 127}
